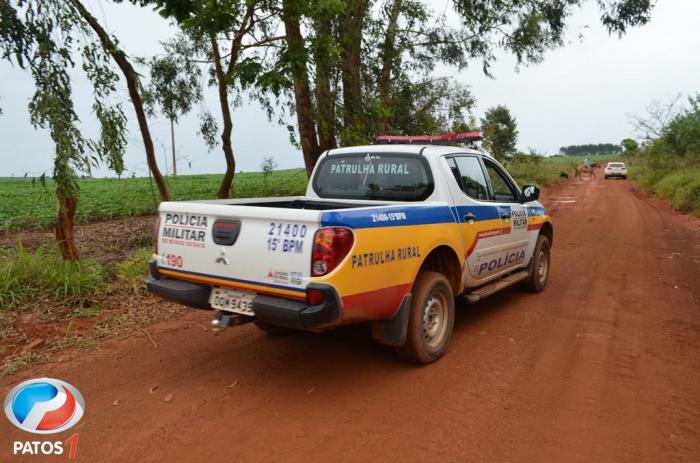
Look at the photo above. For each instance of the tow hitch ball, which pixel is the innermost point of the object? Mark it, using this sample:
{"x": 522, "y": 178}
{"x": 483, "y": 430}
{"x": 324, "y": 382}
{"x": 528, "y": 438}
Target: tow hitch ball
{"x": 223, "y": 320}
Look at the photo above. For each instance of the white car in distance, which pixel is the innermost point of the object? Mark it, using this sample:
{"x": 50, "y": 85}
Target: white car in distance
{"x": 615, "y": 169}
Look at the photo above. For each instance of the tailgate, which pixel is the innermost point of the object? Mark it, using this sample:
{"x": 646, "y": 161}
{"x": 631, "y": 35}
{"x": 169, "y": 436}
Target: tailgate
{"x": 262, "y": 249}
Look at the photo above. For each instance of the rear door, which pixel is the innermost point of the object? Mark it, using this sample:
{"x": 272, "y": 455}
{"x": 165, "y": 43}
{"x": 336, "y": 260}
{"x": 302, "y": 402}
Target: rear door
{"x": 260, "y": 249}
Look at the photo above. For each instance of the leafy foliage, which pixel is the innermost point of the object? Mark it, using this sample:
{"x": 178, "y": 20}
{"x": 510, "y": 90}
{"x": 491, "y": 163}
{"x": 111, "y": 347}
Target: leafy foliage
{"x": 43, "y": 276}
{"x": 528, "y": 29}
{"x": 591, "y": 149}
{"x": 174, "y": 85}
{"x": 500, "y": 131}
{"x": 44, "y": 37}
{"x": 630, "y": 145}
{"x": 669, "y": 166}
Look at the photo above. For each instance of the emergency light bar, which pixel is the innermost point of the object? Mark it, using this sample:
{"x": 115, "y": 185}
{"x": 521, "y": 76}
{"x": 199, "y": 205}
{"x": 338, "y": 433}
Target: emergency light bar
{"x": 449, "y": 139}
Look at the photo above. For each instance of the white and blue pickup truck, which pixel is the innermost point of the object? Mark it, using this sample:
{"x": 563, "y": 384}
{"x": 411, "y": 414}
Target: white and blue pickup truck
{"x": 388, "y": 234}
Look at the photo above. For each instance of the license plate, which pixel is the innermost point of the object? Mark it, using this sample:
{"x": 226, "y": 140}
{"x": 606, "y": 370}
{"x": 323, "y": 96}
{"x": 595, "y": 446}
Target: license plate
{"x": 232, "y": 301}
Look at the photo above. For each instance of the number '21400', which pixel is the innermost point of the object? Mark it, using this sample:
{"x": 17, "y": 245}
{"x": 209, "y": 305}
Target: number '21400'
{"x": 287, "y": 229}
{"x": 282, "y": 237}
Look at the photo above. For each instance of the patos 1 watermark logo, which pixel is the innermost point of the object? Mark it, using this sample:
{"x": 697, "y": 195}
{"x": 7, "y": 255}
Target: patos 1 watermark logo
{"x": 44, "y": 406}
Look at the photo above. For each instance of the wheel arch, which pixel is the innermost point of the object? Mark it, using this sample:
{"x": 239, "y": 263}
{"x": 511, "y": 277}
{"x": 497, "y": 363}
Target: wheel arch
{"x": 548, "y": 231}
{"x": 443, "y": 259}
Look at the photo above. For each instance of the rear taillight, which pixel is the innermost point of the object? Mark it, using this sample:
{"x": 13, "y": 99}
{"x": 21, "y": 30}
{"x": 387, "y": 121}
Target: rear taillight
{"x": 154, "y": 235}
{"x": 331, "y": 245}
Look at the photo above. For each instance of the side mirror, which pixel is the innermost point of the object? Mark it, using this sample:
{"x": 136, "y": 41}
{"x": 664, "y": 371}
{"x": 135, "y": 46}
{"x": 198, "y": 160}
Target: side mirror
{"x": 530, "y": 193}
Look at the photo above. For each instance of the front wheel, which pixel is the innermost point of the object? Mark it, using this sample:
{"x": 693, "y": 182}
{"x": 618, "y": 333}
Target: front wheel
{"x": 541, "y": 260}
{"x": 431, "y": 319}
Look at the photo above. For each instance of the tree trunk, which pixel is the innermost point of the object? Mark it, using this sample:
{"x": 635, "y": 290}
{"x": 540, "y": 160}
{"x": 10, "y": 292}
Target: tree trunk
{"x": 302, "y": 92}
{"x": 65, "y": 214}
{"x": 222, "y": 81}
{"x": 325, "y": 98}
{"x": 354, "y": 130}
{"x": 132, "y": 84}
{"x": 388, "y": 62}
{"x": 172, "y": 142}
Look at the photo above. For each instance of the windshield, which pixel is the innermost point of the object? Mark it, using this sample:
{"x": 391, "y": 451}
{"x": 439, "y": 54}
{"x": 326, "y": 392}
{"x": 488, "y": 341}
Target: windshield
{"x": 616, "y": 164}
{"x": 379, "y": 176}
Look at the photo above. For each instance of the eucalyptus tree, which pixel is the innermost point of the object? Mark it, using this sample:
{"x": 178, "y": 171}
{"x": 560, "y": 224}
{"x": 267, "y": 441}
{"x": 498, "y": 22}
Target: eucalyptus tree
{"x": 394, "y": 46}
{"x": 220, "y": 33}
{"x": 174, "y": 85}
{"x": 133, "y": 84}
{"x": 47, "y": 39}
{"x": 500, "y": 131}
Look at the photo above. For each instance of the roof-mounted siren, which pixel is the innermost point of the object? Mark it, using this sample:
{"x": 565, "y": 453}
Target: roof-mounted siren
{"x": 468, "y": 139}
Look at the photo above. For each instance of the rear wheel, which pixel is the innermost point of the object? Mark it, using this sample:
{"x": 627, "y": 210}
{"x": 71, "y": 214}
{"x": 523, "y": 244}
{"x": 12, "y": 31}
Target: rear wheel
{"x": 541, "y": 259}
{"x": 431, "y": 319}
{"x": 272, "y": 330}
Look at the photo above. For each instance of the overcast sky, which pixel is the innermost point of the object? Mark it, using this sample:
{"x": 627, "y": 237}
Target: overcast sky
{"x": 582, "y": 93}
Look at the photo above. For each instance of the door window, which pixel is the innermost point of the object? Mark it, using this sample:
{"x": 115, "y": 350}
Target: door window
{"x": 470, "y": 176}
{"x": 503, "y": 189}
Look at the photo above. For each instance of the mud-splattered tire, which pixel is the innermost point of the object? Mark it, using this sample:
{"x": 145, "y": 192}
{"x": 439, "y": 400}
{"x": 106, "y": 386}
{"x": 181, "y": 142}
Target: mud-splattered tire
{"x": 541, "y": 263}
{"x": 431, "y": 319}
{"x": 272, "y": 330}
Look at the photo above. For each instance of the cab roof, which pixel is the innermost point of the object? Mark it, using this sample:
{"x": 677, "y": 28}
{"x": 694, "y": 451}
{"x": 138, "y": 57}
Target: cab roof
{"x": 413, "y": 148}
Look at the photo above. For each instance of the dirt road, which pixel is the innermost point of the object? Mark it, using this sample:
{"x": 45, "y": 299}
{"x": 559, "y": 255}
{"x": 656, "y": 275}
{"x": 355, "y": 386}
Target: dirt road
{"x": 604, "y": 366}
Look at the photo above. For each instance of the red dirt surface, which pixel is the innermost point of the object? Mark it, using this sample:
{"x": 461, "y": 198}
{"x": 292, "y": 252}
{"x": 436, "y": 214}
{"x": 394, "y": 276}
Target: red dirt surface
{"x": 603, "y": 366}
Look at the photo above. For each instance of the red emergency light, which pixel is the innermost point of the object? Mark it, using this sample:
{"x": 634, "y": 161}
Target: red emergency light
{"x": 448, "y": 139}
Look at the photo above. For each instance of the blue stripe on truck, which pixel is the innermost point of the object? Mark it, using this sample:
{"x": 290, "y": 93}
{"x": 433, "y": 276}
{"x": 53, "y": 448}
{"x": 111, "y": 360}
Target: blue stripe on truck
{"x": 393, "y": 216}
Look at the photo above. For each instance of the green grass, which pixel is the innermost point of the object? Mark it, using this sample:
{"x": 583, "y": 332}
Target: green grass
{"x": 27, "y": 279}
{"x": 672, "y": 178}
{"x": 30, "y": 205}
{"x": 132, "y": 270}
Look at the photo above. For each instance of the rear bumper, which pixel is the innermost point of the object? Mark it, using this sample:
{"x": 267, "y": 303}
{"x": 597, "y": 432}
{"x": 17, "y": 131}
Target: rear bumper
{"x": 616, "y": 174}
{"x": 183, "y": 292}
{"x": 273, "y": 310}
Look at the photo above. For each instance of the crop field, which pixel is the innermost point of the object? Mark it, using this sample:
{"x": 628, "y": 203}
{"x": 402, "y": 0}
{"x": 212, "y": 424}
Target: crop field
{"x": 28, "y": 204}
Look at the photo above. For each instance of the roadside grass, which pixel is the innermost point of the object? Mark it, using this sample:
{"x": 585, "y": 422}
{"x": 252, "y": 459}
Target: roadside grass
{"x": 672, "y": 178}
{"x": 109, "y": 298}
{"x": 27, "y": 204}
{"x": 131, "y": 272}
{"x": 20, "y": 361}
{"x": 27, "y": 279}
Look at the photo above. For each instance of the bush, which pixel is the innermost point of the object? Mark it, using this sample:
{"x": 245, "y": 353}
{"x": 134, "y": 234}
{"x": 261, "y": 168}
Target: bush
{"x": 132, "y": 271}
{"x": 29, "y": 278}
{"x": 673, "y": 178}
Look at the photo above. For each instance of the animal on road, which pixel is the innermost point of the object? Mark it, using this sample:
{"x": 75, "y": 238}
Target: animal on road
{"x": 580, "y": 170}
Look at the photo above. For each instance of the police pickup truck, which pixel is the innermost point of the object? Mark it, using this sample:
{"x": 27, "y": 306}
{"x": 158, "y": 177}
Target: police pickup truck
{"x": 387, "y": 234}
